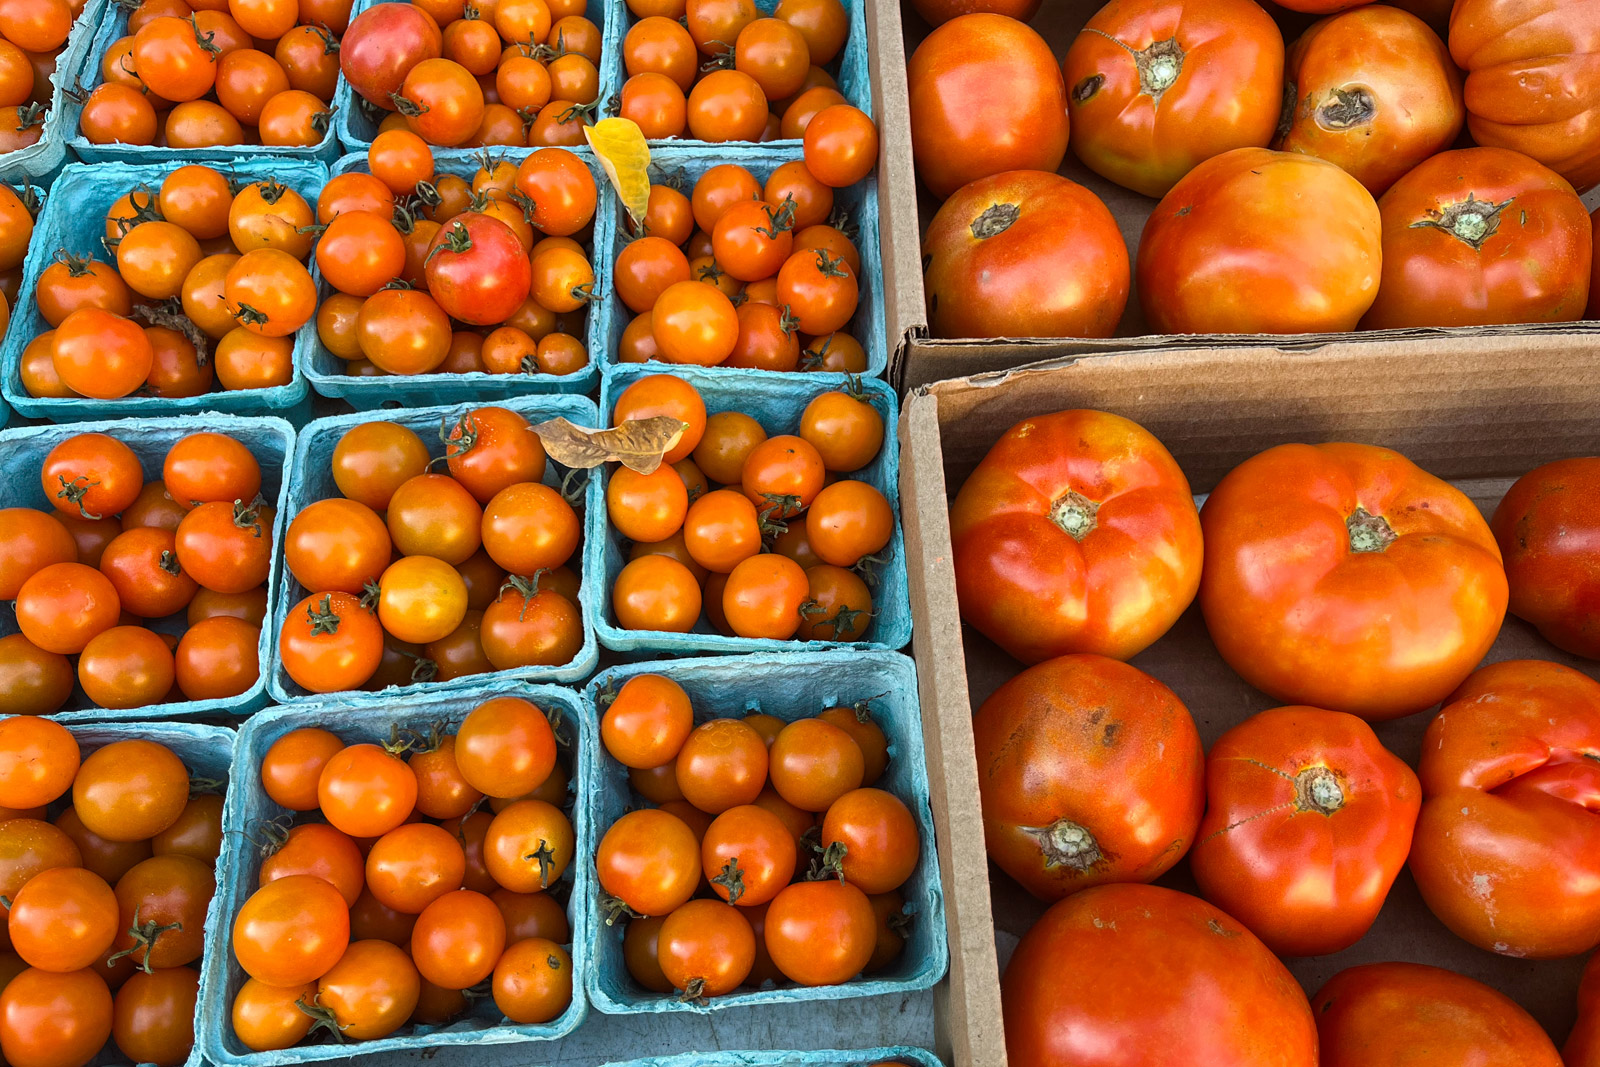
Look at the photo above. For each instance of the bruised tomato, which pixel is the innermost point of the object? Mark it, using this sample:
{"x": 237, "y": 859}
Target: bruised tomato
{"x": 1548, "y": 527}
{"x": 1090, "y": 772}
{"x": 1507, "y": 851}
{"x": 1077, "y": 533}
{"x": 1308, "y": 822}
{"x": 1156, "y": 87}
{"x": 1024, "y": 254}
{"x": 1343, "y": 576}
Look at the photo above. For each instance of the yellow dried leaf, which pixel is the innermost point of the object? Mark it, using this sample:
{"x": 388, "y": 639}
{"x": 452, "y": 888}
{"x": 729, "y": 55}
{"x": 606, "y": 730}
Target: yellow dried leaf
{"x": 620, "y": 145}
{"x": 638, "y": 444}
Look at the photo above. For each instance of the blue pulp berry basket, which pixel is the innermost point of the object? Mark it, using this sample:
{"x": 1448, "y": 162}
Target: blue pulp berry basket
{"x": 370, "y": 719}
{"x": 775, "y": 401}
{"x": 311, "y": 479}
{"x": 41, "y": 162}
{"x": 850, "y": 68}
{"x": 903, "y": 1054}
{"x": 74, "y": 218}
{"x": 356, "y": 128}
{"x": 790, "y": 687}
{"x": 859, "y": 202}
{"x": 326, "y": 371}
{"x": 112, "y": 27}
{"x": 208, "y": 753}
{"x": 22, "y": 452}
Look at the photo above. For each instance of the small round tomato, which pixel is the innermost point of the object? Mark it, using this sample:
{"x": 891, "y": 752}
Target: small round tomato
{"x": 64, "y": 919}
{"x": 374, "y": 459}
{"x": 293, "y": 765}
{"x": 722, "y": 530}
{"x": 91, "y": 475}
{"x": 649, "y": 860}
{"x": 664, "y": 394}
{"x": 748, "y": 855}
{"x": 270, "y": 292}
{"x": 70, "y": 283}
{"x": 848, "y": 522}
{"x": 647, "y": 722}
{"x": 723, "y": 764}
{"x": 101, "y": 355}
{"x": 162, "y": 904}
{"x": 693, "y": 322}
{"x": 646, "y": 268}
{"x": 458, "y": 939}
{"x": 421, "y": 599}
{"x": 197, "y": 833}
{"x": 820, "y": 933}
{"x": 646, "y": 507}
{"x": 561, "y": 188}
{"x": 266, "y": 1018}
{"x": 505, "y": 747}
{"x": 656, "y": 593}
{"x": 841, "y": 146}
{"x": 752, "y": 239}
{"x": 32, "y": 681}
{"x": 820, "y": 290}
{"x": 54, "y": 1020}
{"x": 217, "y": 658}
{"x": 413, "y": 865}
{"x": 153, "y": 1016}
{"x": 706, "y": 948}
{"x": 528, "y": 846}
{"x": 529, "y": 527}
{"x": 330, "y": 642}
{"x": 66, "y": 605}
{"x": 727, "y": 105}
{"x": 763, "y": 597}
{"x": 433, "y": 515}
{"x": 30, "y": 541}
{"x": 442, "y": 102}
{"x": 360, "y": 252}
{"x": 1542, "y": 526}
{"x": 226, "y": 547}
{"x": 477, "y": 269}
{"x": 126, "y": 667}
{"x": 268, "y": 214}
{"x": 174, "y": 60}
{"x": 533, "y": 981}
{"x": 366, "y": 790}
{"x": 640, "y": 945}
{"x": 337, "y": 545}
{"x": 838, "y": 605}
{"x": 491, "y": 448}
{"x": 130, "y": 790}
{"x": 371, "y": 991}
{"x": 291, "y": 931}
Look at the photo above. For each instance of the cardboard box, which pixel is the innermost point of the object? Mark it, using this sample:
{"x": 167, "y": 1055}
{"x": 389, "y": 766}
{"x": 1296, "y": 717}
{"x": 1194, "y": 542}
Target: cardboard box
{"x": 916, "y": 359}
{"x": 1481, "y": 412}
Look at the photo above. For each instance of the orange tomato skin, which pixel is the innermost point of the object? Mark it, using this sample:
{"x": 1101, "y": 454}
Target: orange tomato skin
{"x": 1370, "y": 586}
{"x": 1583, "y": 1044}
{"x": 1506, "y": 853}
{"x": 1543, "y": 525}
{"x": 1090, "y": 771}
{"x": 1023, "y": 578}
{"x": 1408, "y": 1015}
{"x": 1144, "y": 115}
{"x": 1308, "y": 822}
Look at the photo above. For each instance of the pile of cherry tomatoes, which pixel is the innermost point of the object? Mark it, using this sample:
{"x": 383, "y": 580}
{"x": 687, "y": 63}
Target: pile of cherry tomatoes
{"x": 219, "y": 72}
{"x": 741, "y": 273}
{"x": 106, "y": 902}
{"x": 479, "y": 72}
{"x": 1446, "y": 172}
{"x": 719, "y": 70}
{"x": 417, "y": 575}
{"x": 386, "y": 893}
{"x": 1350, "y": 585}
{"x": 434, "y": 273}
{"x": 33, "y": 34}
{"x": 205, "y": 288}
{"x": 119, "y": 551}
{"x": 764, "y": 536}
{"x": 768, "y": 854}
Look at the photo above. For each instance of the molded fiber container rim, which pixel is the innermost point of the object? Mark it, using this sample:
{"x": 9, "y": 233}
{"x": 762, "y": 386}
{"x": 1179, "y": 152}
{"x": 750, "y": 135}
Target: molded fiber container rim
{"x": 790, "y": 686}
{"x": 867, "y": 326}
{"x": 850, "y": 68}
{"x": 370, "y": 719}
{"x": 74, "y": 218}
{"x": 325, "y": 371}
{"x": 112, "y": 27}
{"x": 906, "y": 1054}
{"x": 356, "y": 131}
{"x": 271, "y": 441}
{"x": 41, "y": 162}
{"x": 208, "y": 753}
{"x": 309, "y": 480}
{"x": 776, "y": 401}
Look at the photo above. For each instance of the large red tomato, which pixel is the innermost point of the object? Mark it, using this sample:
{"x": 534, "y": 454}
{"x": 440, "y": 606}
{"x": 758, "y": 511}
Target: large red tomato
{"x": 1507, "y": 849}
{"x": 1548, "y": 527}
{"x": 477, "y": 270}
{"x": 1411, "y": 1015}
{"x": 1124, "y": 975}
{"x": 1344, "y": 576}
{"x": 1374, "y": 91}
{"x": 1024, "y": 254}
{"x": 1531, "y": 81}
{"x": 381, "y": 46}
{"x": 1308, "y": 822}
{"x": 1077, "y": 533}
{"x": 986, "y": 97}
{"x": 1479, "y": 237}
{"x": 1155, "y": 87}
{"x": 1091, "y": 771}
{"x": 1238, "y": 247}
{"x": 1583, "y": 1044}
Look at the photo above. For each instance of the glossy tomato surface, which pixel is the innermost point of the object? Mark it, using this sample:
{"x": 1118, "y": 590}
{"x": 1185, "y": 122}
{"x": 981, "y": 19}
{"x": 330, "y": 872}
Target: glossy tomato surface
{"x": 1090, "y": 772}
{"x": 1343, "y": 576}
{"x": 1583, "y": 1044}
{"x": 1155, "y": 87}
{"x": 1122, "y": 975}
{"x": 1077, "y": 533}
{"x": 1308, "y": 822}
{"x": 1548, "y": 527}
{"x": 1507, "y": 849}
{"x": 1254, "y": 241}
{"x": 1024, "y": 253}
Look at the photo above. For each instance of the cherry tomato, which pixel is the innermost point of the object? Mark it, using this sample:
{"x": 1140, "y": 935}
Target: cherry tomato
{"x": 266, "y": 1018}
{"x": 706, "y": 948}
{"x": 528, "y": 846}
{"x": 54, "y": 1020}
{"x": 458, "y": 939}
{"x": 650, "y": 861}
{"x": 372, "y": 990}
{"x": 130, "y": 790}
{"x": 293, "y": 765}
{"x": 820, "y": 933}
{"x": 723, "y": 764}
{"x": 656, "y": 593}
{"x": 366, "y": 790}
{"x": 63, "y": 919}
{"x": 291, "y": 931}
{"x": 320, "y": 850}
{"x": 126, "y": 667}
{"x": 153, "y": 1016}
{"x": 533, "y": 981}
{"x": 748, "y": 855}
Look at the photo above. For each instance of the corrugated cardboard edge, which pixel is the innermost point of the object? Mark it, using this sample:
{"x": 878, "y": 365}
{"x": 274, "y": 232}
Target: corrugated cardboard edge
{"x": 967, "y": 1007}
{"x": 898, "y": 229}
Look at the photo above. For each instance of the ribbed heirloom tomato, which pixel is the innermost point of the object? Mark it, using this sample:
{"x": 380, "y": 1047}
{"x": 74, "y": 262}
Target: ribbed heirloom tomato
{"x": 1547, "y": 527}
{"x": 1343, "y": 576}
{"x": 1077, "y": 533}
{"x": 1308, "y": 822}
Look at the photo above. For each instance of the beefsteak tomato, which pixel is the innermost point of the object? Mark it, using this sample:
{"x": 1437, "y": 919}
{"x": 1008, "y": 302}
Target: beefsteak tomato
{"x": 1479, "y": 237}
{"x": 1024, "y": 254}
{"x": 1308, "y": 822}
{"x": 1548, "y": 527}
{"x": 1077, "y": 533}
{"x": 1507, "y": 848}
{"x": 1156, "y": 87}
{"x": 1124, "y": 975}
{"x": 1344, "y": 576}
{"x": 1091, "y": 771}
